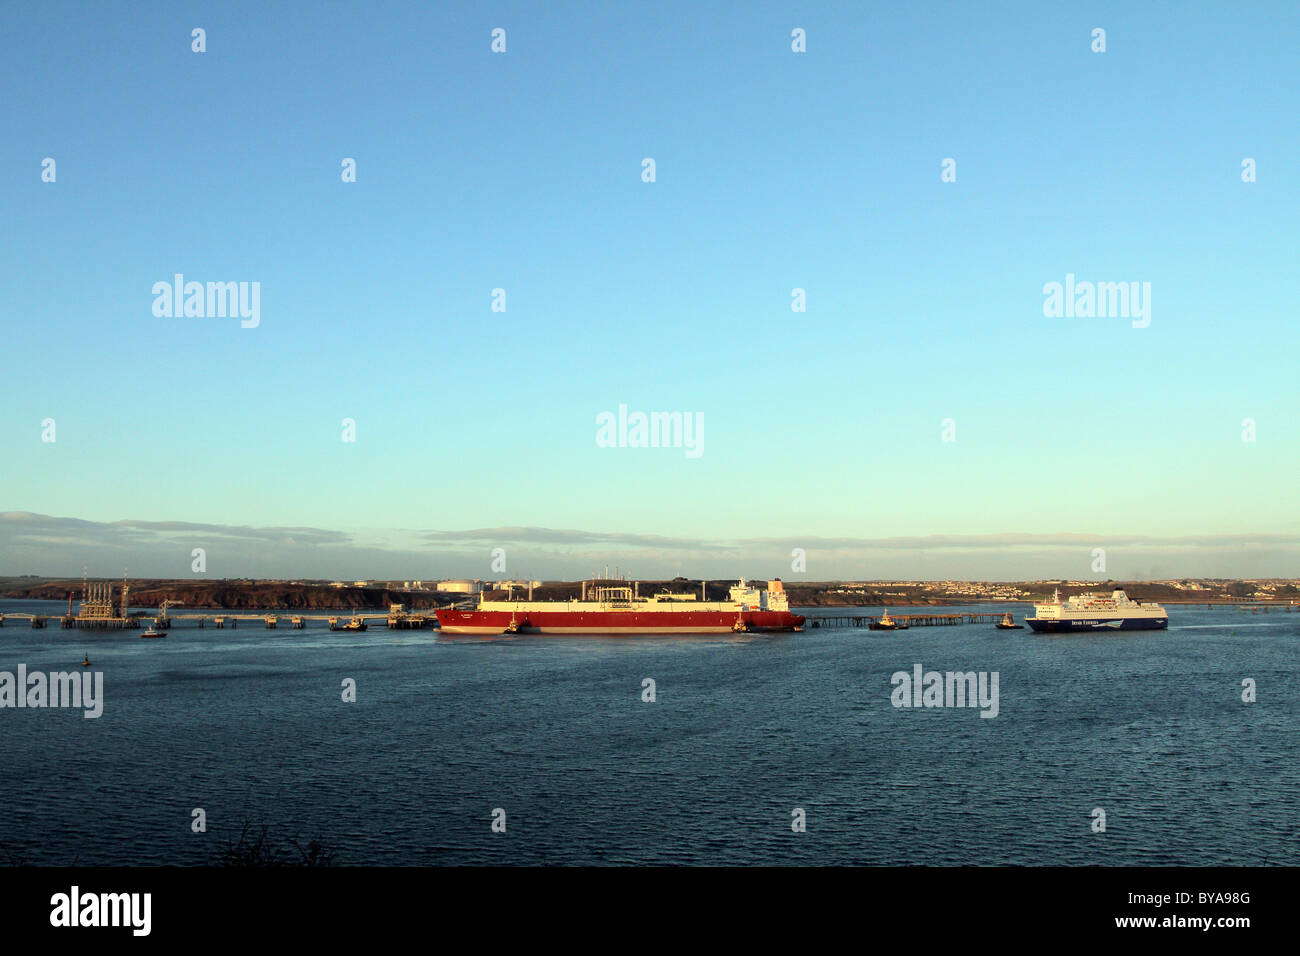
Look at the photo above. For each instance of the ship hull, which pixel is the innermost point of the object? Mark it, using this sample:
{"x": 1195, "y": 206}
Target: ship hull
{"x": 1098, "y": 625}
{"x": 616, "y": 623}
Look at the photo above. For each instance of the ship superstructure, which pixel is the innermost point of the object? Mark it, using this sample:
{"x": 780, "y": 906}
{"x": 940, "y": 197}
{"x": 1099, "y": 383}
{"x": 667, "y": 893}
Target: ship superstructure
{"x": 1097, "y": 612}
{"x": 619, "y": 608}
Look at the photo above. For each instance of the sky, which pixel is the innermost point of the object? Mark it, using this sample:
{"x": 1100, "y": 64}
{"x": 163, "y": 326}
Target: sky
{"x": 922, "y": 417}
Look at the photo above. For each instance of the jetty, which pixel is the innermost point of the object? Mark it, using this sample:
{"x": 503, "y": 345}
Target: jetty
{"x": 980, "y": 617}
{"x": 397, "y": 618}
{"x": 906, "y": 620}
{"x": 97, "y": 612}
{"x": 100, "y": 611}
{"x": 403, "y": 622}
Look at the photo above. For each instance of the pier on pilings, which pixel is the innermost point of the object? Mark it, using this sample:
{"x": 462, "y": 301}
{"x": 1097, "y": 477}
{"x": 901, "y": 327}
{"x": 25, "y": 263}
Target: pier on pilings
{"x": 67, "y": 622}
{"x": 906, "y": 620}
{"x": 106, "y": 623}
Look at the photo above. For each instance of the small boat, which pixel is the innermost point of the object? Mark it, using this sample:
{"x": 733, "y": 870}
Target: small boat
{"x": 886, "y": 623}
{"x": 153, "y": 632}
{"x": 1008, "y": 623}
{"x": 86, "y": 661}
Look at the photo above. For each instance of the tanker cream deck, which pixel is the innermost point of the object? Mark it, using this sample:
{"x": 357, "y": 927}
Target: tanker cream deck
{"x": 621, "y": 610}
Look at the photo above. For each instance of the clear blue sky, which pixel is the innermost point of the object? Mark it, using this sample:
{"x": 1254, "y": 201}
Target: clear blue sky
{"x": 775, "y": 170}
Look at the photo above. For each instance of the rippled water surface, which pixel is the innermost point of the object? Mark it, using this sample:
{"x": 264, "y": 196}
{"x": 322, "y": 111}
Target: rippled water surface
{"x": 250, "y": 725}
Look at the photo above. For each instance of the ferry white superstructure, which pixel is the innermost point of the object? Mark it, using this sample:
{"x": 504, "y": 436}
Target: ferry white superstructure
{"x": 1097, "y": 612}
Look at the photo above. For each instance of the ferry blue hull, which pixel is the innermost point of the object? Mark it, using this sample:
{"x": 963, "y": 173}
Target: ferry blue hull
{"x": 1101, "y": 626}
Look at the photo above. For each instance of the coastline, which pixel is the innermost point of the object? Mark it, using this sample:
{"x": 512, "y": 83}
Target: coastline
{"x": 249, "y": 595}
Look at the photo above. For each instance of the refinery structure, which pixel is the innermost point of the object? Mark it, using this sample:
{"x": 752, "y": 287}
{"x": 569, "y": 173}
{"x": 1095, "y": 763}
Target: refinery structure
{"x": 98, "y": 612}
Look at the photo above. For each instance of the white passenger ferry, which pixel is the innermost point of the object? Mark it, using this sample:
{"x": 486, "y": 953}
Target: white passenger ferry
{"x": 1097, "y": 612}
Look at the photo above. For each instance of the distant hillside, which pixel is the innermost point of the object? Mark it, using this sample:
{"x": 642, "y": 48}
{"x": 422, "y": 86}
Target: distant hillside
{"x": 281, "y": 595}
{"x": 235, "y": 595}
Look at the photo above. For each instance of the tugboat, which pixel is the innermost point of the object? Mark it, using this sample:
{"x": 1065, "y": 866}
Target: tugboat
{"x": 153, "y": 632}
{"x": 886, "y": 623}
{"x": 356, "y": 624}
{"x": 1008, "y": 623}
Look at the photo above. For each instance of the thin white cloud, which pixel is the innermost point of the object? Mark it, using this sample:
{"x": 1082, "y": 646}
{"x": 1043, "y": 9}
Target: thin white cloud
{"x": 50, "y": 545}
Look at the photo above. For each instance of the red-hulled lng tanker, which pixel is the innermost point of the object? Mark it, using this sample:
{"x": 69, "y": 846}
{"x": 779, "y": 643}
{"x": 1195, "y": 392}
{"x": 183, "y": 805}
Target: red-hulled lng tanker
{"x": 621, "y": 610}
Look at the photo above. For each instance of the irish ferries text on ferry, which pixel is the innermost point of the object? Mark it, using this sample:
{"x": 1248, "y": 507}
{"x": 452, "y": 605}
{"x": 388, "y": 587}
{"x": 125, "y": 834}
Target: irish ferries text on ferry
{"x": 1096, "y": 612}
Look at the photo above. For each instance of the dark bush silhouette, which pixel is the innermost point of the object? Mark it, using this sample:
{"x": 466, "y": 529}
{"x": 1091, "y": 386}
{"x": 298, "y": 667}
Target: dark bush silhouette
{"x": 259, "y": 850}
